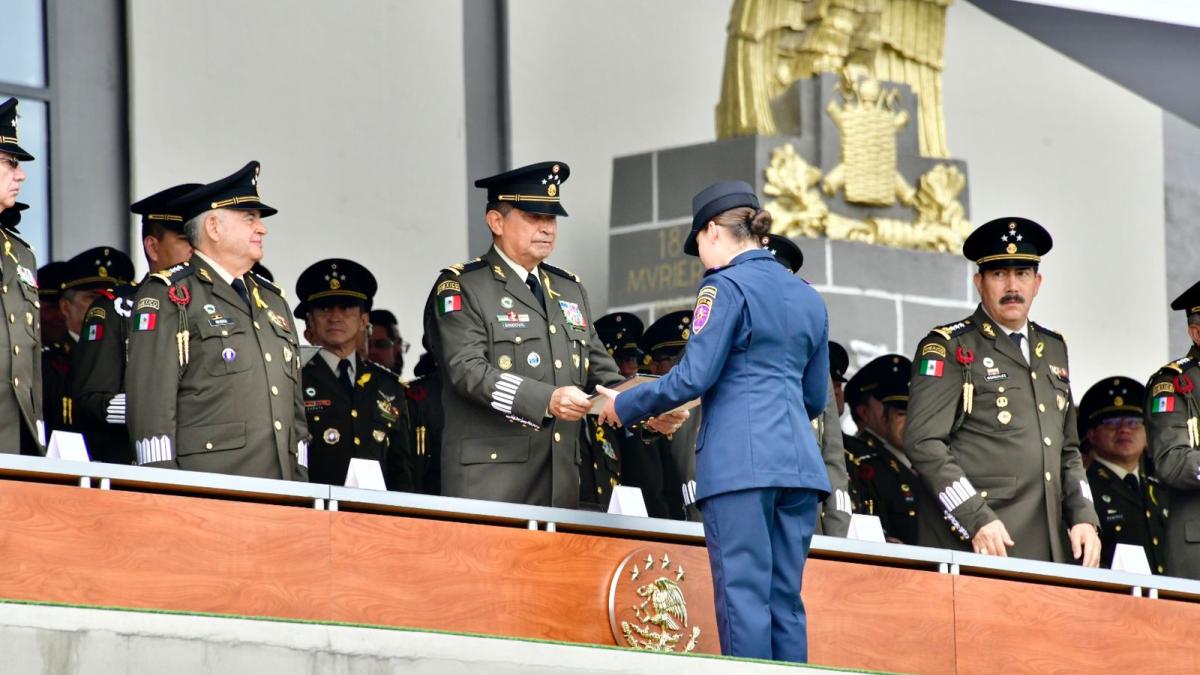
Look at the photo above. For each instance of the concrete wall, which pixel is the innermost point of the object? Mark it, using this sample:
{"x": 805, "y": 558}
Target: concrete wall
{"x": 354, "y": 109}
{"x": 361, "y": 136}
{"x": 68, "y": 640}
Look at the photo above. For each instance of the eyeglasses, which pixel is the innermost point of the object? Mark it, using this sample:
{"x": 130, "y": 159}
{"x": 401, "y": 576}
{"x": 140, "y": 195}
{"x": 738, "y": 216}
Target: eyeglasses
{"x": 12, "y": 163}
{"x": 385, "y": 343}
{"x": 1114, "y": 423}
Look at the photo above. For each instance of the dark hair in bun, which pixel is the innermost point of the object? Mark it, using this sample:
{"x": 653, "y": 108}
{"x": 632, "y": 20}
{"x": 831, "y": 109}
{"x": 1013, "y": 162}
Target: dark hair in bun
{"x": 745, "y": 222}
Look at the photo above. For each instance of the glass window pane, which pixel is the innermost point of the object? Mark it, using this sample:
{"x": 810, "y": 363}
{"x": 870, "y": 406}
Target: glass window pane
{"x": 35, "y": 191}
{"x": 22, "y": 32}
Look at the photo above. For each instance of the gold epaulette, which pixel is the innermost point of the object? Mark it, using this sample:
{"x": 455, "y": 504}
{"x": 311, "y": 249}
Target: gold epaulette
{"x": 458, "y": 268}
{"x": 954, "y": 330}
{"x": 560, "y": 272}
{"x": 174, "y": 274}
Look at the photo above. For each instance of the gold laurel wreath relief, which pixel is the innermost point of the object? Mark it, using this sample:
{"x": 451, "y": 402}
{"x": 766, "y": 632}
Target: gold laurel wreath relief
{"x": 773, "y": 43}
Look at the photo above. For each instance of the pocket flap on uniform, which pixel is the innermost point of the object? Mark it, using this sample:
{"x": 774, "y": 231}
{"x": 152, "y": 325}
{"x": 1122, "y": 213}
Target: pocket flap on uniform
{"x": 494, "y": 450}
{"x": 997, "y": 487}
{"x": 212, "y": 437}
{"x": 1191, "y": 531}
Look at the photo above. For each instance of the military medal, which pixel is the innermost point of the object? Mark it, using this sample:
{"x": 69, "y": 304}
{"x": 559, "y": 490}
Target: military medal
{"x": 228, "y": 355}
{"x": 332, "y": 436}
{"x": 965, "y": 358}
{"x": 534, "y": 359}
{"x": 1185, "y": 386}
{"x": 311, "y": 391}
{"x": 211, "y": 309}
{"x": 181, "y": 297}
{"x": 1005, "y": 417}
{"x": 506, "y": 302}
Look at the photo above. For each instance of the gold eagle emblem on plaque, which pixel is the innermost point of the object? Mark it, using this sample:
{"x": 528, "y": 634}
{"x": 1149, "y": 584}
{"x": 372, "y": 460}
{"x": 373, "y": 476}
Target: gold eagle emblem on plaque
{"x": 647, "y": 606}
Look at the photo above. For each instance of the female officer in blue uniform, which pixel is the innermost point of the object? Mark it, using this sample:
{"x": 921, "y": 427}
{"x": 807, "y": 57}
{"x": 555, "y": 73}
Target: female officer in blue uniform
{"x": 758, "y": 357}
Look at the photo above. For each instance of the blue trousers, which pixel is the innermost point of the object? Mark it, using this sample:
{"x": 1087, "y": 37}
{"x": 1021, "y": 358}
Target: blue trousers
{"x": 757, "y": 545}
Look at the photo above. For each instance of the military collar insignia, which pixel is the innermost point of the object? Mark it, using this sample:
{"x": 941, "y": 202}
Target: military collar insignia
{"x": 987, "y": 330}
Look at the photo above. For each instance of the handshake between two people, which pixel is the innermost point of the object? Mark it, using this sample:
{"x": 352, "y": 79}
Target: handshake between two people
{"x": 570, "y": 404}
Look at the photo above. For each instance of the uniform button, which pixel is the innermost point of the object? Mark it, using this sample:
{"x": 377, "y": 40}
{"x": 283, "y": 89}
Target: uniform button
{"x": 1033, "y": 375}
{"x": 278, "y": 425}
{"x": 493, "y": 455}
{"x": 1047, "y": 476}
{"x": 1154, "y": 541}
{"x": 599, "y": 490}
{"x": 356, "y": 441}
{"x": 983, "y": 494}
{"x": 16, "y": 381}
{"x": 1117, "y": 528}
{"x": 912, "y": 514}
{"x": 16, "y": 349}
{"x": 1148, "y": 515}
{"x": 1001, "y": 390}
{"x": 517, "y": 339}
{"x": 1160, "y": 569}
{"x": 316, "y": 418}
{"x": 1041, "y": 407}
{"x": 557, "y": 437}
{"x": 256, "y": 326}
{"x": 267, "y": 356}
{"x": 208, "y": 446}
{"x": 595, "y": 465}
{"x": 12, "y": 318}
{"x": 1047, "y": 441}
{"x": 354, "y": 413}
{"x": 553, "y": 329}
{"x": 226, "y": 333}
{"x": 274, "y": 390}
{"x": 557, "y": 363}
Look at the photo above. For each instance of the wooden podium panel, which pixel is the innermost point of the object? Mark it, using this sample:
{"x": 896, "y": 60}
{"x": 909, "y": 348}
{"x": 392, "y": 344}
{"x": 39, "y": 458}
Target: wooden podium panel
{"x": 881, "y": 618}
{"x": 486, "y": 579}
{"x": 130, "y": 549}
{"x": 1015, "y": 627}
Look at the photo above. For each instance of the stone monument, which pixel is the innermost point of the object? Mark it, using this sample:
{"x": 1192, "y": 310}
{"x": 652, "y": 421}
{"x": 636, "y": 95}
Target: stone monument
{"x": 832, "y": 110}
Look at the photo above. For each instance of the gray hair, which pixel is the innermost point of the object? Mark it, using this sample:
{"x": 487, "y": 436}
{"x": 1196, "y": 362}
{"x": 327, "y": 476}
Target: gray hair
{"x": 1193, "y": 319}
{"x": 193, "y": 227}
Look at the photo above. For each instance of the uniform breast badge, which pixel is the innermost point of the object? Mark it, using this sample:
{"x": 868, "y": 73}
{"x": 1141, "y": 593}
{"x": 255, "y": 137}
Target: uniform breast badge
{"x": 965, "y": 358}
{"x": 181, "y": 297}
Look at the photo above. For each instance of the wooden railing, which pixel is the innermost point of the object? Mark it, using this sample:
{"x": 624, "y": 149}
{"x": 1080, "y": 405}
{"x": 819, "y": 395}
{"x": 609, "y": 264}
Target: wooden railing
{"x": 153, "y": 538}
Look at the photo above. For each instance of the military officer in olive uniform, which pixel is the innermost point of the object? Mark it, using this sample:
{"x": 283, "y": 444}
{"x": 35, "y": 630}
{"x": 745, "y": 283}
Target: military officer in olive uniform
{"x": 423, "y": 397}
{"x": 991, "y": 424}
{"x": 883, "y": 472}
{"x": 1132, "y": 505}
{"x": 213, "y": 381}
{"x": 603, "y": 446}
{"x": 22, "y": 429}
{"x": 664, "y": 466}
{"x": 93, "y": 274}
{"x": 514, "y": 340}
{"x": 49, "y": 281}
{"x": 1173, "y": 427}
{"x": 834, "y": 518}
{"x": 98, "y": 360}
{"x": 355, "y": 407}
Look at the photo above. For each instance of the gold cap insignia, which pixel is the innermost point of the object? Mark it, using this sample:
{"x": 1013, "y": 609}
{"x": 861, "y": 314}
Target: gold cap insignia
{"x": 552, "y": 190}
{"x": 1011, "y": 248}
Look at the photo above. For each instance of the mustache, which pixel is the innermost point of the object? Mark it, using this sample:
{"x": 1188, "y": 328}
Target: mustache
{"x": 1011, "y": 298}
